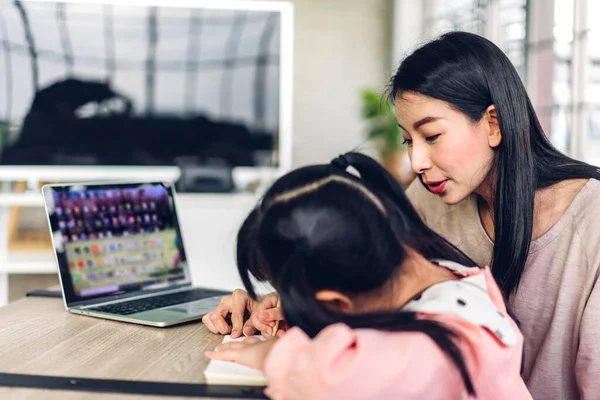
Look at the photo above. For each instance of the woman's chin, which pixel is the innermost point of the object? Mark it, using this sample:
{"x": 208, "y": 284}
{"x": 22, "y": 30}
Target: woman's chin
{"x": 451, "y": 197}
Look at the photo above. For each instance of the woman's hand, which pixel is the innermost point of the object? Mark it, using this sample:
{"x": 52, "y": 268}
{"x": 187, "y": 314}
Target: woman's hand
{"x": 236, "y": 306}
{"x": 251, "y": 352}
{"x": 262, "y": 315}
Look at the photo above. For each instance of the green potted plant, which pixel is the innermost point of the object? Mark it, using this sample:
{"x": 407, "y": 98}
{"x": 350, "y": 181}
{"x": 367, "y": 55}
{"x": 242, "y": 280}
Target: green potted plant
{"x": 386, "y": 135}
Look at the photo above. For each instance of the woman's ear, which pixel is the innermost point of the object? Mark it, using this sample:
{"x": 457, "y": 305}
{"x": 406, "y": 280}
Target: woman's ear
{"x": 335, "y": 301}
{"x": 494, "y": 134}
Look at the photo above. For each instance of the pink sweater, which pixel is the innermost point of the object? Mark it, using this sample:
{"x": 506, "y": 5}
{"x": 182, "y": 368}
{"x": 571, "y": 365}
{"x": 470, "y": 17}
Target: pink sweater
{"x": 341, "y": 363}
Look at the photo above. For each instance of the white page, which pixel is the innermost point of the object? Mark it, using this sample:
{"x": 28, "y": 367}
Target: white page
{"x": 229, "y": 373}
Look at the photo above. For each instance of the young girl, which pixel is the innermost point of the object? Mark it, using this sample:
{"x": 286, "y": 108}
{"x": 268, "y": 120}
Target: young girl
{"x": 380, "y": 306}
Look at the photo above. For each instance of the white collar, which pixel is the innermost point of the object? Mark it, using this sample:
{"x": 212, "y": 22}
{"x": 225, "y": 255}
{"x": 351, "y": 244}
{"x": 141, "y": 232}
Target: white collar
{"x": 455, "y": 267}
{"x": 467, "y": 298}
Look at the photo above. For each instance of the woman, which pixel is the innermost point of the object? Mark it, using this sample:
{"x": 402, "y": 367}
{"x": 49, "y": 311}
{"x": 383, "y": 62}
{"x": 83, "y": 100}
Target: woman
{"x": 428, "y": 325}
{"x": 492, "y": 184}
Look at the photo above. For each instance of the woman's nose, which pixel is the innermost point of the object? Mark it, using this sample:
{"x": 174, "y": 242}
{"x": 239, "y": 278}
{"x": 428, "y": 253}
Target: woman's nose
{"x": 419, "y": 159}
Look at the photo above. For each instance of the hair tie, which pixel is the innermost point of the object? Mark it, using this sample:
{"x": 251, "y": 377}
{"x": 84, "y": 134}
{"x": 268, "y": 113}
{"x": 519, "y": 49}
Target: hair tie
{"x": 341, "y": 162}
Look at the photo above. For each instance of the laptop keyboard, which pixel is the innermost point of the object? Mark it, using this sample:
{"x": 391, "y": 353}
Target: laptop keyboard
{"x": 154, "y": 302}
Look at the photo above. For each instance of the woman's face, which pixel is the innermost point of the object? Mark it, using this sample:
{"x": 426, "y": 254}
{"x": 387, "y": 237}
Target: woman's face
{"x": 452, "y": 154}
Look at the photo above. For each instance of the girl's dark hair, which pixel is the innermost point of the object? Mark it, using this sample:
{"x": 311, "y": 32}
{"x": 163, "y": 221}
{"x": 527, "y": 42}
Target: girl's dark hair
{"x": 321, "y": 227}
{"x": 471, "y": 73}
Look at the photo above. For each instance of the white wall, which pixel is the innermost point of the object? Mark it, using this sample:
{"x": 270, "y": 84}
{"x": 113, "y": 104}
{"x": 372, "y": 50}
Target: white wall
{"x": 407, "y": 27}
{"x": 209, "y": 226}
{"x": 341, "y": 47}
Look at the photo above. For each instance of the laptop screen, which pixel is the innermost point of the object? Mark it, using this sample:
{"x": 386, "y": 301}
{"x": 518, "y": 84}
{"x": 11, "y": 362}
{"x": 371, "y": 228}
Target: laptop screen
{"x": 115, "y": 239}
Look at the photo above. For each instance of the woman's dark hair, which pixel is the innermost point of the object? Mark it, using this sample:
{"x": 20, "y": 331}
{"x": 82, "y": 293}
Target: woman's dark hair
{"x": 321, "y": 227}
{"x": 471, "y": 73}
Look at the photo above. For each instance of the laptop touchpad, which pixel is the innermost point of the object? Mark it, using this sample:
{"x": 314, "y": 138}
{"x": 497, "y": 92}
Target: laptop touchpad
{"x": 198, "y": 307}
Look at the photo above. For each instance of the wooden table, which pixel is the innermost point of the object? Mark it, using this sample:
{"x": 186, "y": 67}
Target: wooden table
{"x": 38, "y": 336}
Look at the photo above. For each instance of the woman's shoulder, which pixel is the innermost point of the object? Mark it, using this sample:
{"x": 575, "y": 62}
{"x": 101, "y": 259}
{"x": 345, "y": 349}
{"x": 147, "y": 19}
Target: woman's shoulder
{"x": 585, "y": 203}
{"x": 590, "y": 188}
{"x": 578, "y": 225}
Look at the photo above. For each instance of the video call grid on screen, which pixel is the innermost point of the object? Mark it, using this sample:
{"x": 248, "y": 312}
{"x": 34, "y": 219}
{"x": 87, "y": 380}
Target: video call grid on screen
{"x": 118, "y": 238}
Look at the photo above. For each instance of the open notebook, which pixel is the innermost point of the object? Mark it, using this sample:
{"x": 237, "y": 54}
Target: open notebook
{"x": 227, "y": 373}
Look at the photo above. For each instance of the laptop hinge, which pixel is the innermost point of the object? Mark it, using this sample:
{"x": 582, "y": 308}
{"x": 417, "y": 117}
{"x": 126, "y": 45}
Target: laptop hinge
{"x": 128, "y": 296}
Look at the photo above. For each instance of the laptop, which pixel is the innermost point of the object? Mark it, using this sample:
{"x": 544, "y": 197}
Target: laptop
{"x": 120, "y": 253}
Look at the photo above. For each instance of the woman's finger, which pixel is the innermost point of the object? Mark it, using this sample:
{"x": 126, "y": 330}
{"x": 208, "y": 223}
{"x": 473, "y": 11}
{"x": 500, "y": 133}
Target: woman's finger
{"x": 249, "y": 328}
{"x": 273, "y": 314}
{"x": 225, "y": 304}
{"x": 265, "y": 329}
{"x": 218, "y": 321}
{"x": 238, "y": 309}
{"x": 206, "y": 321}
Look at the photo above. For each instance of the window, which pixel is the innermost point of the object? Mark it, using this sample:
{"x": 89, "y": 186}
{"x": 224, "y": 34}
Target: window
{"x": 552, "y": 44}
{"x": 502, "y": 21}
{"x": 567, "y": 41}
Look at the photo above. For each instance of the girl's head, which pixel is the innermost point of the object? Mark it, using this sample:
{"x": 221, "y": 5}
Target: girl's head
{"x": 470, "y": 127}
{"x": 336, "y": 246}
{"x": 355, "y": 243}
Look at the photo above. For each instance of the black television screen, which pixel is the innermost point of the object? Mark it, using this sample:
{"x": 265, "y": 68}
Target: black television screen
{"x": 84, "y": 83}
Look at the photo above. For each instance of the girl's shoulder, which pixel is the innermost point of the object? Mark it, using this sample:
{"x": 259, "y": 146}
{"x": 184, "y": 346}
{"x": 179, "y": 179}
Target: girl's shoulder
{"x": 472, "y": 301}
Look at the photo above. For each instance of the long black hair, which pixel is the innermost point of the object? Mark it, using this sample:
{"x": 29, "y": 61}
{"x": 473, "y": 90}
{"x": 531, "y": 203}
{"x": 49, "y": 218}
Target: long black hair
{"x": 322, "y": 227}
{"x": 470, "y": 73}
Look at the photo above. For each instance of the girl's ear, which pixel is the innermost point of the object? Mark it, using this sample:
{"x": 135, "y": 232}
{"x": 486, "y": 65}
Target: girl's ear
{"x": 335, "y": 301}
{"x": 494, "y": 134}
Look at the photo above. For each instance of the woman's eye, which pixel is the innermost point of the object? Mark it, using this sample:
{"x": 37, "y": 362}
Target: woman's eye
{"x": 407, "y": 142}
{"x": 432, "y": 138}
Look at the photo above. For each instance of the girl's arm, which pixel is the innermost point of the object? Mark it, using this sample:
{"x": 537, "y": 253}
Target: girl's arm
{"x": 342, "y": 363}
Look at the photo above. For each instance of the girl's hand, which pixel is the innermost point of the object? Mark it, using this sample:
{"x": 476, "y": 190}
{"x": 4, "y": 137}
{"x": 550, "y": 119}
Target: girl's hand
{"x": 266, "y": 313}
{"x": 251, "y": 352}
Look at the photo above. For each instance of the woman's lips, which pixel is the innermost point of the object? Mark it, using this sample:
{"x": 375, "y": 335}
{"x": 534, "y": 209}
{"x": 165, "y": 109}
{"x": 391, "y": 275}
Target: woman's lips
{"x": 436, "y": 187}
